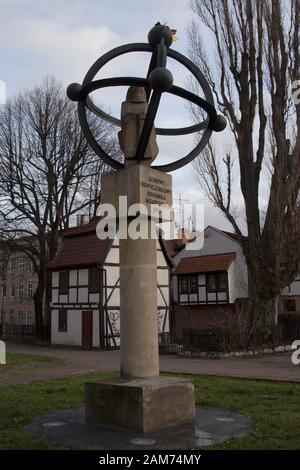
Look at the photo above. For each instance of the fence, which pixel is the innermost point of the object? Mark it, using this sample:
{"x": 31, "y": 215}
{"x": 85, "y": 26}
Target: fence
{"x": 19, "y": 332}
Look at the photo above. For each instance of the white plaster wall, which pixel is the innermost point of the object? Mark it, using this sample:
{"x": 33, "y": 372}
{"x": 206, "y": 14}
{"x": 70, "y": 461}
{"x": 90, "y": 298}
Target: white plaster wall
{"x": 73, "y": 337}
{"x": 73, "y": 277}
{"x": 83, "y": 293}
{"x": 202, "y": 294}
{"x": 63, "y": 298}
{"x": 83, "y": 277}
{"x": 113, "y": 256}
{"x": 73, "y": 294}
{"x": 115, "y": 297}
{"x": 160, "y": 259}
{"x": 54, "y": 295}
{"x": 232, "y": 282}
{"x": 55, "y": 279}
{"x": 94, "y": 298}
{"x": 163, "y": 276}
{"x": 162, "y": 296}
{"x": 112, "y": 274}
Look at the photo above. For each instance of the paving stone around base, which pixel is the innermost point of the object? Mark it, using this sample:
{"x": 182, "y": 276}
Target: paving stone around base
{"x": 67, "y": 428}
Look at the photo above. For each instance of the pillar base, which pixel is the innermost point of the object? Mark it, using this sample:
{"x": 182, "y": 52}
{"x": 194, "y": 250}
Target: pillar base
{"x": 144, "y": 405}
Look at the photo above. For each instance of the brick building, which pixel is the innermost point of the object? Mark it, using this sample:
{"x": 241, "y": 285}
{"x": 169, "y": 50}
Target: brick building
{"x": 17, "y": 286}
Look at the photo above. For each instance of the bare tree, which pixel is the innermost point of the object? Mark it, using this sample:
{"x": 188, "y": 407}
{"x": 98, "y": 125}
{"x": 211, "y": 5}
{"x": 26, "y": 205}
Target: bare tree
{"x": 251, "y": 63}
{"x": 47, "y": 174}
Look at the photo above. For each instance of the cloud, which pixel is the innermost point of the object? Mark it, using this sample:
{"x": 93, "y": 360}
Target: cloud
{"x": 63, "y": 38}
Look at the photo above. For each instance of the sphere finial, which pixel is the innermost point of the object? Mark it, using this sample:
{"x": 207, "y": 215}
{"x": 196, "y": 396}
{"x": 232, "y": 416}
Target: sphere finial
{"x": 219, "y": 124}
{"x": 74, "y": 92}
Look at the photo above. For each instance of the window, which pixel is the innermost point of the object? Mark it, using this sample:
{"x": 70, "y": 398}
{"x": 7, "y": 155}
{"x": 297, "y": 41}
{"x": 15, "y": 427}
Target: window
{"x": 30, "y": 291}
{"x": 183, "y": 284}
{"x": 12, "y": 266}
{"x": 30, "y": 266}
{"x": 211, "y": 281}
{"x": 29, "y": 317}
{"x": 11, "y": 317}
{"x": 3, "y": 290}
{"x": 21, "y": 265}
{"x": 289, "y": 305}
{"x": 193, "y": 284}
{"x": 94, "y": 280}
{"x": 62, "y": 321}
{"x": 12, "y": 292}
{"x": 20, "y": 318}
{"x": 21, "y": 292}
{"x": 64, "y": 282}
{"x": 188, "y": 284}
{"x": 3, "y": 270}
{"x": 222, "y": 281}
{"x": 216, "y": 281}
{"x": 3, "y": 318}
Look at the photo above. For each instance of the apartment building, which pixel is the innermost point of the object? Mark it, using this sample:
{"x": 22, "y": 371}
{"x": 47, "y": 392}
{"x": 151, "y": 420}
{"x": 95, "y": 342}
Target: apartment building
{"x": 17, "y": 285}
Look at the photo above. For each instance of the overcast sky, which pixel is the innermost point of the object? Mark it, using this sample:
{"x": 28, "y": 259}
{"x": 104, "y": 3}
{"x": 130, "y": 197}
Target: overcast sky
{"x": 64, "y": 37}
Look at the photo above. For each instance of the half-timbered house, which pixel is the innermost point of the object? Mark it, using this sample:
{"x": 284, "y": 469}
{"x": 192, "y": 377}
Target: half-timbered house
{"x": 85, "y": 304}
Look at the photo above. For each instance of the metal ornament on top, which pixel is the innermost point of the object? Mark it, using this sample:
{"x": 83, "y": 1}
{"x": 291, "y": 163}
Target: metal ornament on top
{"x": 159, "y": 80}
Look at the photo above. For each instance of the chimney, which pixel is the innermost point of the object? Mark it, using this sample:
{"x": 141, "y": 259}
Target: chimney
{"x": 82, "y": 219}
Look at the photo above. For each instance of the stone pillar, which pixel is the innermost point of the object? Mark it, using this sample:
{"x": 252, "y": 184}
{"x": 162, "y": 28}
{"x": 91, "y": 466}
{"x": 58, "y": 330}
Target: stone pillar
{"x": 138, "y": 296}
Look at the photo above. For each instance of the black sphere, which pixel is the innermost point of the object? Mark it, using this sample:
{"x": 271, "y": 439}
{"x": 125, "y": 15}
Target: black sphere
{"x": 158, "y": 32}
{"x": 74, "y": 92}
{"x": 219, "y": 124}
{"x": 160, "y": 79}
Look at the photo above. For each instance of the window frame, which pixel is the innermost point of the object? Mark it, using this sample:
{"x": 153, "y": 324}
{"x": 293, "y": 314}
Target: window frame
{"x": 185, "y": 290}
{"x": 22, "y": 264}
{"x": 30, "y": 291}
{"x": 21, "y": 289}
{"x": 62, "y": 321}
{"x": 217, "y": 275}
{"x": 63, "y": 282}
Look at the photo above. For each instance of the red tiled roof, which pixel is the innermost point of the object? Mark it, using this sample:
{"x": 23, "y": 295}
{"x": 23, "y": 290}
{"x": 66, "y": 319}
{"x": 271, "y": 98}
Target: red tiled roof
{"x": 203, "y": 264}
{"x": 81, "y": 250}
{"x": 74, "y": 231}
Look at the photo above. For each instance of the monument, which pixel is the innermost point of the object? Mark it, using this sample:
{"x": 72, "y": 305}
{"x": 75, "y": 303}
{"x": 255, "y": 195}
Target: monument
{"x": 140, "y": 399}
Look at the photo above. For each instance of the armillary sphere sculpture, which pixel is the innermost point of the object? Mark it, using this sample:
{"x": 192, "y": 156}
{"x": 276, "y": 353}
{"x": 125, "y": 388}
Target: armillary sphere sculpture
{"x": 159, "y": 80}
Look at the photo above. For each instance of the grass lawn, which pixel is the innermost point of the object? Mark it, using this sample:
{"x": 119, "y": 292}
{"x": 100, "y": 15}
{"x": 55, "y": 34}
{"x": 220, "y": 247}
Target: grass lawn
{"x": 13, "y": 358}
{"x": 274, "y": 407}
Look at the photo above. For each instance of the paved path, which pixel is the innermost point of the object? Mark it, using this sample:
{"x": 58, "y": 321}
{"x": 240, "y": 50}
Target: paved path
{"x": 76, "y": 361}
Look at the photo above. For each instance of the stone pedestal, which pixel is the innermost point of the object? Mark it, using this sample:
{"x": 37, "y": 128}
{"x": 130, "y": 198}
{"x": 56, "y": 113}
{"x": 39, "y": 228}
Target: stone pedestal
{"x": 140, "y": 399}
{"x": 145, "y": 405}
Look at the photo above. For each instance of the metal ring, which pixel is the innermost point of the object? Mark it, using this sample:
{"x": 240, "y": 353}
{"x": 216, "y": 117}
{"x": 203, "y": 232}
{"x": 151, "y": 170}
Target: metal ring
{"x": 88, "y": 86}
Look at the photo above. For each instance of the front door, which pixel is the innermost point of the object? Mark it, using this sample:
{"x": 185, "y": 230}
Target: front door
{"x": 87, "y": 329}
